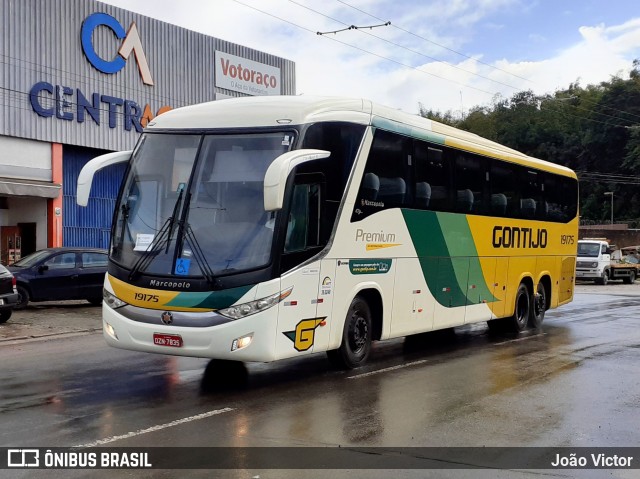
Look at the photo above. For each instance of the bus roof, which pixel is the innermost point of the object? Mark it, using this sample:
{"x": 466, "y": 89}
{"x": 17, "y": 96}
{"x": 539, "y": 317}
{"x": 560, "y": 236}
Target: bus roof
{"x": 269, "y": 111}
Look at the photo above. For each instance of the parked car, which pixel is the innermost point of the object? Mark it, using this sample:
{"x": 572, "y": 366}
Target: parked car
{"x": 55, "y": 274}
{"x": 8, "y": 294}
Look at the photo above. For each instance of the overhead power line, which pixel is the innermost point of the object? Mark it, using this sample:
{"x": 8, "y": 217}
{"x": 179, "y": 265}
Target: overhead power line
{"x": 596, "y": 177}
{"x": 364, "y": 50}
{"x": 402, "y": 46}
{"x": 438, "y": 44}
{"x": 549, "y": 100}
{"x": 395, "y": 25}
{"x": 352, "y": 27}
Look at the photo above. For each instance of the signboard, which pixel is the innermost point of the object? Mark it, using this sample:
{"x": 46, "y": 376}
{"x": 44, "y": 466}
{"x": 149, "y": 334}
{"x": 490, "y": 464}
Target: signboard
{"x": 246, "y": 76}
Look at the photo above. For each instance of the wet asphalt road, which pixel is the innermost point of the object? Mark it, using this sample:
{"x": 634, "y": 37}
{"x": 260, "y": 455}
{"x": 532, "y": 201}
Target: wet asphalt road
{"x": 575, "y": 383}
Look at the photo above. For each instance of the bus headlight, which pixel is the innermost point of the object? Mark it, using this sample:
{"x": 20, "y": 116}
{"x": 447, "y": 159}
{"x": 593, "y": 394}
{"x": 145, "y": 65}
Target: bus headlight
{"x": 112, "y": 300}
{"x": 247, "y": 309}
{"x": 242, "y": 342}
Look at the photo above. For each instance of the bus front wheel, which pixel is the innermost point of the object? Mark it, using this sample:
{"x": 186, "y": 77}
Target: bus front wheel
{"x": 356, "y": 337}
{"x": 520, "y": 317}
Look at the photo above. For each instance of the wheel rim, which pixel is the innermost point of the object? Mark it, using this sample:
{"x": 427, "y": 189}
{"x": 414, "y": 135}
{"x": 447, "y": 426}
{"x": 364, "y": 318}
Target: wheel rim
{"x": 358, "y": 333}
{"x": 539, "y": 303}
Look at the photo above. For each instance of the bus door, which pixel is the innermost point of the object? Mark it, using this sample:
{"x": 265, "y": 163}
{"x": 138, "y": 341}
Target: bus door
{"x": 451, "y": 276}
{"x": 567, "y": 279}
{"x": 480, "y": 289}
{"x": 410, "y": 300}
{"x": 326, "y": 293}
{"x": 297, "y": 318}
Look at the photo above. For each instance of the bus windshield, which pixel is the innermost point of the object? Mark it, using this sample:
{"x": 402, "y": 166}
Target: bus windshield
{"x": 193, "y": 204}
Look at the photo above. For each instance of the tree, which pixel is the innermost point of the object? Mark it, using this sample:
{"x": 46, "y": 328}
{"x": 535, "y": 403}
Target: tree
{"x": 592, "y": 129}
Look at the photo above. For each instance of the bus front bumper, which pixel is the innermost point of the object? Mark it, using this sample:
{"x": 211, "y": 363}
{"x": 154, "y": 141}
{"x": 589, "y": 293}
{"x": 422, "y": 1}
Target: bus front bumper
{"x": 248, "y": 339}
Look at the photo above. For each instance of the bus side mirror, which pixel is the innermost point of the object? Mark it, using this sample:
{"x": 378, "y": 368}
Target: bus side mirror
{"x": 85, "y": 178}
{"x": 275, "y": 179}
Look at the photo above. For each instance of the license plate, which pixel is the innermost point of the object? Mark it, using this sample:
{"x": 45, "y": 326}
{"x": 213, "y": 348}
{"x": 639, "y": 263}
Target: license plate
{"x": 170, "y": 340}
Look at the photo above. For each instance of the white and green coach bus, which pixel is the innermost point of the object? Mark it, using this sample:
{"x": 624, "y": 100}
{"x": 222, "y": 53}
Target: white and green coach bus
{"x": 257, "y": 229}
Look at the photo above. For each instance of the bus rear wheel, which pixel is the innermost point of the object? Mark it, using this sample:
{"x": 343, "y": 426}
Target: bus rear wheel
{"x": 356, "y": 337}
{"x": 520, "y": 317}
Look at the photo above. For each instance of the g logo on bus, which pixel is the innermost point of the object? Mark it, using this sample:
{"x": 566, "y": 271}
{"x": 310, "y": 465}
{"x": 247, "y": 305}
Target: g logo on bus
{"x": 305, "y": 333}
{"x": 167, "y": 317}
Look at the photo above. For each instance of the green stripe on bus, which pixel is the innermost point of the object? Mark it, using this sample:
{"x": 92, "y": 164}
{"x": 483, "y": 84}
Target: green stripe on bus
{"x": 407, "y": 130}
{"x": 448, "y": 257}
{"x": 210, "y": 300}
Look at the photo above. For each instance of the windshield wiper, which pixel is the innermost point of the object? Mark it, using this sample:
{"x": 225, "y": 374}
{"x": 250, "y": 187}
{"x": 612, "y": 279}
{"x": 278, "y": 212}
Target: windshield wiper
{"x": 200, "y": 258}
{"x": 163, "y": 238}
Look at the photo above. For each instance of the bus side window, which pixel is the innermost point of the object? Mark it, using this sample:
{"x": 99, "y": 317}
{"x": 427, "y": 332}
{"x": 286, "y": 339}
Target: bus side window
{"x": 470, "y": 179}
{"x": 560, "y": 198}
{"x": 432, "y": 177}
{"x": 386, "y": 180}
{"x": 502, "y": 191}
{"x": 531, "y": 189}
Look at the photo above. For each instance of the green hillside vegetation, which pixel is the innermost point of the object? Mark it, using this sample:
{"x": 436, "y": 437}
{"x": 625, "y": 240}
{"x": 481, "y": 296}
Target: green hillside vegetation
{"x": 595, "y": 130}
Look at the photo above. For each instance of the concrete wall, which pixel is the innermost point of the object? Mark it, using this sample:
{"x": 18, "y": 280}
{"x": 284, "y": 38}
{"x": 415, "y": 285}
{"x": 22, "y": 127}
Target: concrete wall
{"x": 618, "y": 234}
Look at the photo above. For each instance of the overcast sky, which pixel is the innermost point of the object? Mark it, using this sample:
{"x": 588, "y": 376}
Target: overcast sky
{"x": 444, "y": 54}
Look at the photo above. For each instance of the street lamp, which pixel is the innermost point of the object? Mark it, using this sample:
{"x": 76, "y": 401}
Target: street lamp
{"x": 610, "y": 193}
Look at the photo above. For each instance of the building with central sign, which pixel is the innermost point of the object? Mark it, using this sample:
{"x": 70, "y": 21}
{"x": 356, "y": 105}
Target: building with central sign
{"x": 80, "y": 78}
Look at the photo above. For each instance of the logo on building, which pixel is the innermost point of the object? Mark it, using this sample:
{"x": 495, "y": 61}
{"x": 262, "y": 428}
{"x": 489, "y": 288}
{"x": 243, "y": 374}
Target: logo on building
{"x": 130, "y": 44}
{"x": 246, "y": 76}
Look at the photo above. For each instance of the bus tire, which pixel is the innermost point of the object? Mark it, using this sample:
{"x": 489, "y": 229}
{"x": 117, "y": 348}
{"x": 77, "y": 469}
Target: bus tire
{"x": 522, "y": 309}
{"x": 356, "y": 337}
{"x": 497, "y": 325}
{"x": 538, "y": 307}
{"x": 224, "y": 375}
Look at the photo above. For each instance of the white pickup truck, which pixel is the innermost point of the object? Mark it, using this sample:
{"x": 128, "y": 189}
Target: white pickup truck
{"x": 598, "y": 262}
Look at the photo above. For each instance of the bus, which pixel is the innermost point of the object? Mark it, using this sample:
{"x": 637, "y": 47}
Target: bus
{"x": 258, "y": 229}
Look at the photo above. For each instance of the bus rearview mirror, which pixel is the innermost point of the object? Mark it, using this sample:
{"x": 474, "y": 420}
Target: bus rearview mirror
{"x": 275, "y": 179}
{"x": 85, "y": 178}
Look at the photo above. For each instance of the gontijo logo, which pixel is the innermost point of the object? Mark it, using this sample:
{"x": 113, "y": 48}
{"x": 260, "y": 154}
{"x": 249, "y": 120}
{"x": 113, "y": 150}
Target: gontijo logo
{"x": 130, "y": 44}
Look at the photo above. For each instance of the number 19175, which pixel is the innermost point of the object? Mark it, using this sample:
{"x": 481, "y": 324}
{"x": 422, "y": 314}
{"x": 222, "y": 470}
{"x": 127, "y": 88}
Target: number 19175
{"x": 152, "y": 298}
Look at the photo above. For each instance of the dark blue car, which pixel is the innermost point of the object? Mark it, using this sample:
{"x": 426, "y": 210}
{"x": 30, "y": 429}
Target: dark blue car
{"x": 56, "y": 274}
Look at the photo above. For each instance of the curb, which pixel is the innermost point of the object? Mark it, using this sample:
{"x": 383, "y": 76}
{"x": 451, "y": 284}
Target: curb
{"x": 45, "y": 336}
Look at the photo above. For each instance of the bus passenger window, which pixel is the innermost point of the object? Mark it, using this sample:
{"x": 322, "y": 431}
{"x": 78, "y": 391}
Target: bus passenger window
{"x": 469, "y": 179}
{"x": 386, "y": 176}
{"x": 432, "y": 176}
{"x": 560, "y": 198}
{"x": 502, "y": 190}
